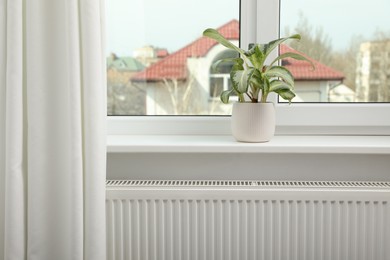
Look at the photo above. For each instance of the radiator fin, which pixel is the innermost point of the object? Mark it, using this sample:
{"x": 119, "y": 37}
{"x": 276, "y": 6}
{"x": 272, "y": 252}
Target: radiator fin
{"x": 188, "y": 183}
{"x": 192, "y": 229}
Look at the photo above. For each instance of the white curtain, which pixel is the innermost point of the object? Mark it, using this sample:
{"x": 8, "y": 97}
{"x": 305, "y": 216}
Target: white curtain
{"x": 52, "y": 130}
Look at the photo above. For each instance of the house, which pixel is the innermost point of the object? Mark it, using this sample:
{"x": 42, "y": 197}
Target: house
{"x": 149, "y": 54}
{"x": 187, "y": 73}
{"x": 311, "y": 85}
{"x": 342, "y": 93}
{"x": 123, "y": 98}
{"x": 119, "y": 91}
{"x": 121, "y": 69}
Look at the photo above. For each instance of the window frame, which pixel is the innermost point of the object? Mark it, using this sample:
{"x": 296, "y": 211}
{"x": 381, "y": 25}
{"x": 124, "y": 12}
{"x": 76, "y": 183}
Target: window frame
{"x": 294, "y": 119}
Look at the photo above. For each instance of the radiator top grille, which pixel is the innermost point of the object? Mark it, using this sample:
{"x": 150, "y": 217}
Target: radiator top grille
{"x": 226, "y": 183}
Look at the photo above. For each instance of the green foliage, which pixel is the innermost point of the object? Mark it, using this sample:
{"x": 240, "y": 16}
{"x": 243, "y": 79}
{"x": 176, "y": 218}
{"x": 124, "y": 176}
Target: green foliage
{"x": 250, "y": 75}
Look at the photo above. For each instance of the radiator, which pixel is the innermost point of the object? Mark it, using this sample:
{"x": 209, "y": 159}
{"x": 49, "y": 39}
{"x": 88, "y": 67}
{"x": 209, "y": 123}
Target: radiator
{"x": 245, "y": 220}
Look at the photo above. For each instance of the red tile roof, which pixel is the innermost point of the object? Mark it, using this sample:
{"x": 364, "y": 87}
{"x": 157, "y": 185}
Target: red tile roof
{"x": 302, "y": 70}
{"x": 162, "y": 53}
{"x": 174, "y": 65}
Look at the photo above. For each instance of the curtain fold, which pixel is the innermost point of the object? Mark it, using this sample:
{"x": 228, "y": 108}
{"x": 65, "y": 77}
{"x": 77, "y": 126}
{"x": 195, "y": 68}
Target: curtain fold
{"x": 52, "y": 116}
{"x": 3, "y": 56}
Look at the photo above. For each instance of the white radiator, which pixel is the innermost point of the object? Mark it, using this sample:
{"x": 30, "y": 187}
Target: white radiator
{"x": 245, "y": 220}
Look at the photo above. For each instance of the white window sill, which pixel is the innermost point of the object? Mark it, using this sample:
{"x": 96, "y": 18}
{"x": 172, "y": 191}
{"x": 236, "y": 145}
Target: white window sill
{"x": 227, "y": 144}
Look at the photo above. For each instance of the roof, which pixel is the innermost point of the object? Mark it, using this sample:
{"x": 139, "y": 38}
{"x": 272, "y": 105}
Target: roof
{"x": 174, "y": 66}
{"x": 124, "y": 63}
{"x": 162, "y": 53}
{"x": 302, "y": 70}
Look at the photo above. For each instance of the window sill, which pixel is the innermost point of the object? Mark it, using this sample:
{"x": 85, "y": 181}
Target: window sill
{"x": 227, "y": 144}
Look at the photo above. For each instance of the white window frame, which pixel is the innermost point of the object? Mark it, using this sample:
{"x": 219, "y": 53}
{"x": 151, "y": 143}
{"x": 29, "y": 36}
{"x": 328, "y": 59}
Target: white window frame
{"x": 294, "y": 119}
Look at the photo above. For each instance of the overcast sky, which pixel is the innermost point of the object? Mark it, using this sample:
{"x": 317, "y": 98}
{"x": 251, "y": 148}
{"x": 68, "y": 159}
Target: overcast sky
{"x": 340, "y": 19}
{"x": 173, "y": 24}
{"x": 170, "y": 24}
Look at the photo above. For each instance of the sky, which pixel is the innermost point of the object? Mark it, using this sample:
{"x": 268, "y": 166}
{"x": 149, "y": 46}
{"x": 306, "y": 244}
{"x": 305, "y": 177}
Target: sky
{"x": 169, "y": 24}
{"x": 340, "y": 19}
{"x": 172, "y": 24}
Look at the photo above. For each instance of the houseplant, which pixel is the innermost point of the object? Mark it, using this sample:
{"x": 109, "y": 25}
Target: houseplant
{"x": 253, "y": 118}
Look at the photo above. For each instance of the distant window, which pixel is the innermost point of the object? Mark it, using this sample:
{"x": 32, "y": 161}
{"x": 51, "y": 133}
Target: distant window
{"x": 220, "y": 77}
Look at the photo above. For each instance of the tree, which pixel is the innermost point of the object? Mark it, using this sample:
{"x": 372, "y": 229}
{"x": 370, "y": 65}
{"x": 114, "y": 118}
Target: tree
{"x": 315, "y": 43}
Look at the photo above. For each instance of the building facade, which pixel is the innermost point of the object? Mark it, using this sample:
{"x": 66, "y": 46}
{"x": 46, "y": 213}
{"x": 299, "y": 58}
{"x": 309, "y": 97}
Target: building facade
{"x": 373, "y": 72}
{"x": 185, "y": 83}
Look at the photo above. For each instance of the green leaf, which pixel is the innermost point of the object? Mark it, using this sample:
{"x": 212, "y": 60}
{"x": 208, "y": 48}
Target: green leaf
{"x": 294, "y": 56}
{"x": 252, "y": 47}
{"x": 257, "y": 79}
{"x": 241, "y": 79}
{"x": 256, "y": 56}
{"x": 238, "y": 64}
{"x": 215, "y": 35}
{"x": 225, "y": 95}
{"x": 280, "y": 72}
{"x": 278, "y": 85}
{"x": 286, "y": 94}
{"x": 273, "y": 44}
{"x": 215, "y": 65}
{"x": 266, "y": 85}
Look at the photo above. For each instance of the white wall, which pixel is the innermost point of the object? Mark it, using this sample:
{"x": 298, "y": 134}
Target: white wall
{"x": 305, "y": 167}
{"x": 3, "y": 60}
{"x": 312, "y": 91}
{"x": 2, "y": 178}
{"x": 2, "y": 134}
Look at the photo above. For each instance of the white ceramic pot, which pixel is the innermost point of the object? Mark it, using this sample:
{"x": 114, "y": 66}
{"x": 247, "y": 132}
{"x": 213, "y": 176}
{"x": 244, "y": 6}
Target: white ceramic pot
{"x": 253, "y": 122}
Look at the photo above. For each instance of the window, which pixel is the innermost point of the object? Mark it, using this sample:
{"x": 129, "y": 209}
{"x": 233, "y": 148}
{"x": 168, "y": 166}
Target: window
{"x": 340, "y": 49}
{"x": 298, "y": 118}
{"x": 158, "y": 62}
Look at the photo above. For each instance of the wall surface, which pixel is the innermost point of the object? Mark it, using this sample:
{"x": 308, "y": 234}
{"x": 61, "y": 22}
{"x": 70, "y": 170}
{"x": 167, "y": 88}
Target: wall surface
{"x": 209, "y": 166}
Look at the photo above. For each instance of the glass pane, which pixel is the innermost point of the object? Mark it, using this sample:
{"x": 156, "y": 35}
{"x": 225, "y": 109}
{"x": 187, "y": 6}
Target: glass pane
{"x": 158, "y": 63}
{"x": 349, "y": 41}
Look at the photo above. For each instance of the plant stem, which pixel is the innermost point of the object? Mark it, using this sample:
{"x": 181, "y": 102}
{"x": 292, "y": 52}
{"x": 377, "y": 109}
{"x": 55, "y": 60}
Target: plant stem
{"x": 256, "y": 95}
{"x": 241, "y": 97}
{"x": 264, "y": 98}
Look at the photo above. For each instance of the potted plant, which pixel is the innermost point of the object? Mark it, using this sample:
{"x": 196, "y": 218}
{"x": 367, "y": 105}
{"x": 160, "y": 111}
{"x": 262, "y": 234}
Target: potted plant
{"x": 253, "y": 118}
